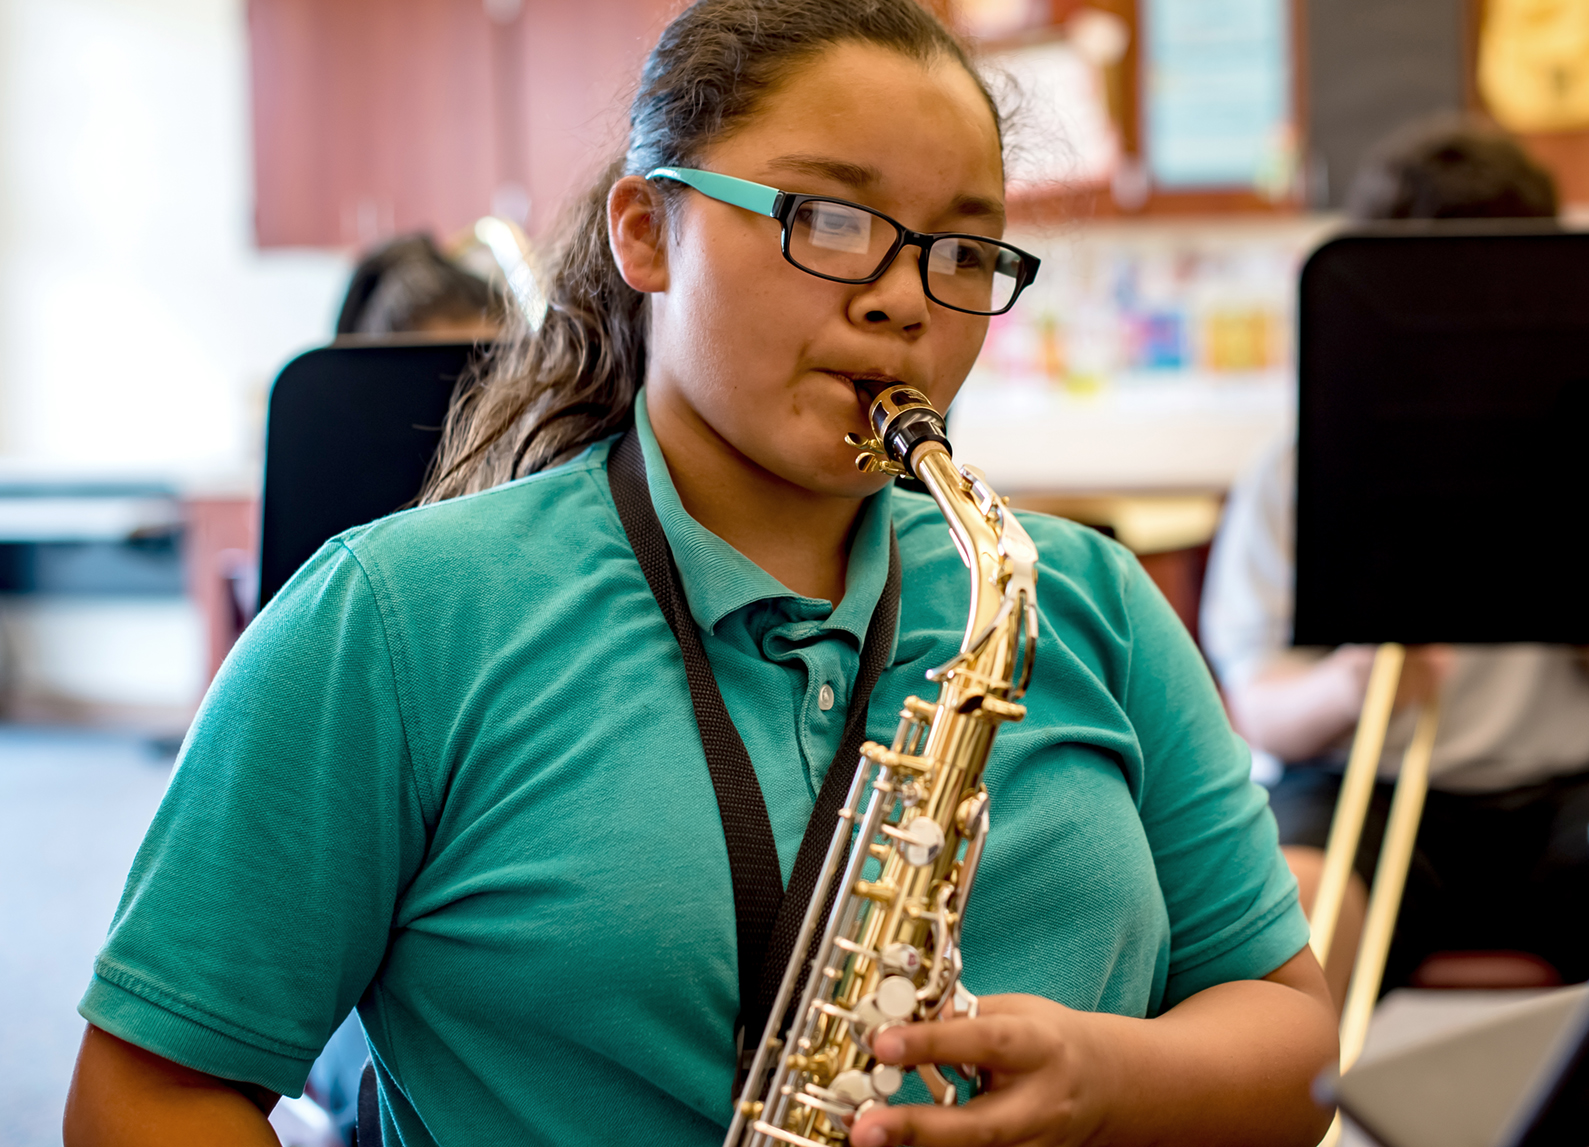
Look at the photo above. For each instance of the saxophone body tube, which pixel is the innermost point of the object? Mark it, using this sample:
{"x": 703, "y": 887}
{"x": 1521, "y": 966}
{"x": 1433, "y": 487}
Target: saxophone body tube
{"x": 888, "y": 952}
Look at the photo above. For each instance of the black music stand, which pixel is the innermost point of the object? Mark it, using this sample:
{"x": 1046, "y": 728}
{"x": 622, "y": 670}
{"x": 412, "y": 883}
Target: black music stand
{"x": 1443, "y": 410}
{"x": 350, "y": 433}
{"x": 1442, "y": 427}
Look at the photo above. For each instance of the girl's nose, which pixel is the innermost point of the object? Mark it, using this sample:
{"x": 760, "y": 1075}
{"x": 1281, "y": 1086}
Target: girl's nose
{"x": 895, "y": 300}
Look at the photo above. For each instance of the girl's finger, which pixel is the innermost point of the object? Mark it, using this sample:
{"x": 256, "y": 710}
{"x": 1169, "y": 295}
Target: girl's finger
{"x": 1000, "y": 1042}
{"x": 1000, "y": 1119}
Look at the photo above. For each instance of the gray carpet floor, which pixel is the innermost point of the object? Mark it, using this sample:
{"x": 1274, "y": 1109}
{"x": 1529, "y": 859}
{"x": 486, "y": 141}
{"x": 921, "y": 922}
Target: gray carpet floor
{"x": 73, "y": 807}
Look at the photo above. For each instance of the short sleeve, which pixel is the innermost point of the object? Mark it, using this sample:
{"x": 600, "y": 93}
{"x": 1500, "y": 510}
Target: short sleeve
{"x": 1232, "y": 901}
{"x": 258, "y": 907}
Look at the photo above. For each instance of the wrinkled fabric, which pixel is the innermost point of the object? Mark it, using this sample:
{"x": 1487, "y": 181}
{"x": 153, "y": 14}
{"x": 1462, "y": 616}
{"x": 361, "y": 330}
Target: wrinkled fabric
{"x": 451, "y": 776}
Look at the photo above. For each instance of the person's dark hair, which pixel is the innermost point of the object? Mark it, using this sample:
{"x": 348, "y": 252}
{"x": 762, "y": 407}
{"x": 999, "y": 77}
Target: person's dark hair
{"x": 408, "y": 283}
{"x": 541, "y": 396}
{"x": 1450, "y": 168}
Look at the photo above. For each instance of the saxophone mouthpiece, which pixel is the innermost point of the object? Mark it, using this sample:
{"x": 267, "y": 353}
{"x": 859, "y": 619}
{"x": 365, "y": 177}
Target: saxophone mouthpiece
{"x": 903, "y": 420}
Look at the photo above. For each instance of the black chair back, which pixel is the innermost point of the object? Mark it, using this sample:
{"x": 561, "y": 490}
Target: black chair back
{"x": 349, "y": 436}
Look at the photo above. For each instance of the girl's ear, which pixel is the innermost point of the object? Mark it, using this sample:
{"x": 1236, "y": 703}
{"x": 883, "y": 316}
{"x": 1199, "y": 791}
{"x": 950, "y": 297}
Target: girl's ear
{"x": 636, "y": 223}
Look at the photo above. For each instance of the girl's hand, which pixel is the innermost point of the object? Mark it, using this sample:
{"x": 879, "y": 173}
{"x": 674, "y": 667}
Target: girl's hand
{"x": 1043, "y": 1078}
{"x": 1231, "y": 1064}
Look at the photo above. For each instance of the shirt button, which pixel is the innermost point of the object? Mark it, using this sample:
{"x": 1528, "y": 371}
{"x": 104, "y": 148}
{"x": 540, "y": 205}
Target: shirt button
{"x": 825, "y": 697}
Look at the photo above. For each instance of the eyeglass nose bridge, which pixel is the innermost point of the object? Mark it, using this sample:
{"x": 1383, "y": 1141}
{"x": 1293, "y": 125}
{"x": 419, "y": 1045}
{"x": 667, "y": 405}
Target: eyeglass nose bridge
{"x": 905, "y": 237}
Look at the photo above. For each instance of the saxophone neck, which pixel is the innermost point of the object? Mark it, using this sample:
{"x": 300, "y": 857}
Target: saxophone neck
{"x": 910, "y": 438}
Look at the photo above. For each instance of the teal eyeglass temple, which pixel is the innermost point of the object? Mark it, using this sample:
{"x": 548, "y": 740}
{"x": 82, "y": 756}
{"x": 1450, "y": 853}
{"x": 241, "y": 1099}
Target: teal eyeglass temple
{"x": 757, "y": 197}
{"x": 780, "y": 205}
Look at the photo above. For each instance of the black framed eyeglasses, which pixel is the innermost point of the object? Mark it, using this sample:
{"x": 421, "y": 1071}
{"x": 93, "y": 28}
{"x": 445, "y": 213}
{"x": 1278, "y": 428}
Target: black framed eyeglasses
{"x": 848, "y": 243}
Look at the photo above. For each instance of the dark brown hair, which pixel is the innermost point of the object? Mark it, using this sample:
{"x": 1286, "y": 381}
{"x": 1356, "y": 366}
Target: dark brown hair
{"x": 407, "y": 282}
{"x": 542, "y": 395}
{"x": 1450, "y": 167}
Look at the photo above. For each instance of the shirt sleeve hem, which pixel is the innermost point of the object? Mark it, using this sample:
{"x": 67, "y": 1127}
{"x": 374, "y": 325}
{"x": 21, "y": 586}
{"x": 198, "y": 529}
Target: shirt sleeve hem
{"x": 1277, "y": 936}
{"x": 154, "y": 1026}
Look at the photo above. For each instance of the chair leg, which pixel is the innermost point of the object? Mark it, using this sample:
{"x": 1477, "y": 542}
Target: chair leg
{"x": 369, "y": 1127}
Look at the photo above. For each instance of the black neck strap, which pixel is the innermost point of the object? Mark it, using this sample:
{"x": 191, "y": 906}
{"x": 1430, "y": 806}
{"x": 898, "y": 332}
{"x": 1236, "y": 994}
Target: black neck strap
{"x": 767, "y": 919}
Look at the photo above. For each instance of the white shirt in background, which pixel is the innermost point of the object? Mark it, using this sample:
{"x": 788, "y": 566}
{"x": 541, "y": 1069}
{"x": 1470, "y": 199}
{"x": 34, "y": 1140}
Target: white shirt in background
{"x": 1510, "y": 715}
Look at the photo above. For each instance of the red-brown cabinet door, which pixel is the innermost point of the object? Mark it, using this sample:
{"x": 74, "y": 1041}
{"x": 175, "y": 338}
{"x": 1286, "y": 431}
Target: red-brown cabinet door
{"x": 373, "y": 117}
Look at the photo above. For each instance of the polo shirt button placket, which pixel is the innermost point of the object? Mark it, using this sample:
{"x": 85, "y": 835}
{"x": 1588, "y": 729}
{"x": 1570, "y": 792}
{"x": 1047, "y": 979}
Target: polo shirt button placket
{"x": 825, "y": 697}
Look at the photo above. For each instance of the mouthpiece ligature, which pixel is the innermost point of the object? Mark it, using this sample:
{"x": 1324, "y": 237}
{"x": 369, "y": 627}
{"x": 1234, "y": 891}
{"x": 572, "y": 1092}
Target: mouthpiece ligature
{"x": 902, "y": 419}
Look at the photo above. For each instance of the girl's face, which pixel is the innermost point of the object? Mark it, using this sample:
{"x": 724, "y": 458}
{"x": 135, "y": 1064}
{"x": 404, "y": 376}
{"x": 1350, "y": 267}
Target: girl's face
{"x": 776, "y": 365}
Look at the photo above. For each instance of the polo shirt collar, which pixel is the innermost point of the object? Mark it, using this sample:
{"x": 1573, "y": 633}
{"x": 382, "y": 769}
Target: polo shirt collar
{"x": 718, "y": 579}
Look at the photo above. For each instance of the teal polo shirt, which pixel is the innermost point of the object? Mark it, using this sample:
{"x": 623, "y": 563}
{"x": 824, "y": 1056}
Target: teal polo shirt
{"x": 451, "y": 776}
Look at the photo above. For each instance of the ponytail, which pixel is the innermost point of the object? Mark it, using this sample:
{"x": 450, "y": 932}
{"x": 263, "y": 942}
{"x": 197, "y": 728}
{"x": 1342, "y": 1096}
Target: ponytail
{"x": 539, "y": 396}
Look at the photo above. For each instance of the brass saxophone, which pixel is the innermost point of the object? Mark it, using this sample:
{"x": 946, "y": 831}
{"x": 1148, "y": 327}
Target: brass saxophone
{"x": 889, "y": 951}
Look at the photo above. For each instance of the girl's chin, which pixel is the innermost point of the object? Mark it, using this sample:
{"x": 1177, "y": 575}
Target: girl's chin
{"x": 845, "y": 481}
{"x": 829, "y": 473}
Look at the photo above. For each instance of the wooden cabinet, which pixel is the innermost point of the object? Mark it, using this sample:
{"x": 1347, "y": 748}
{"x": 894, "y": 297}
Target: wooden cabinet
{"x": 374, "y": 117}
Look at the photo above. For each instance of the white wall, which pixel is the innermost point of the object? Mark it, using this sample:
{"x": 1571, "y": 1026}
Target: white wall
{"x": 128, "y": 662}
{"x": 139, "y": 327}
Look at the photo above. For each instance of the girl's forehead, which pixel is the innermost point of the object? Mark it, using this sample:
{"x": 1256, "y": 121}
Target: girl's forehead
{"x": 878, "y": 109}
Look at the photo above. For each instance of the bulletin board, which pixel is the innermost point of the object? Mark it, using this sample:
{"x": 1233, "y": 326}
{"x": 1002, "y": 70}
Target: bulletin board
{"x": 1218, "y": 108}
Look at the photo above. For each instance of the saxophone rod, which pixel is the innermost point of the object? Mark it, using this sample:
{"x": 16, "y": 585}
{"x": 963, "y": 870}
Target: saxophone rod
{"x": 808, "y": 927}
{"x": 1357, "y": 787}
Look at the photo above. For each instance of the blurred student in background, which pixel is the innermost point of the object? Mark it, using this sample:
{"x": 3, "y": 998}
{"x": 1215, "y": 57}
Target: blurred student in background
{"x": 1502, "y": 859}
{"x": 407, "y": 286}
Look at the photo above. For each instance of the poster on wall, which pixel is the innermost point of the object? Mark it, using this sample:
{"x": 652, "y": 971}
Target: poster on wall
{"x": 1218, "y": 86}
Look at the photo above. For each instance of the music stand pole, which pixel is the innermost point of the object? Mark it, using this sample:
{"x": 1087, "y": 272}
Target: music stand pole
{"x": 1357, "y": 787}
{"x": 1390, "y": 881}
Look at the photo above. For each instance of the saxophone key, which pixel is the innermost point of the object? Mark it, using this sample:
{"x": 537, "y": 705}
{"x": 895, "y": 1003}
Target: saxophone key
{"x": 902, "y": 959}
{"x": 857, "y": 1087}
{"x": 920, "y": 841}
{"x": 887, "y": 1079}
{"x": 895, "y": 997}
{"x": 826, "y": 1106}
{"x": 1001, "y": 709}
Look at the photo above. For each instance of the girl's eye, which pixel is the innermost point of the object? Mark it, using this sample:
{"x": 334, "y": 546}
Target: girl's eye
{"x": 950, "y": 256}
{"x": 835, "y": 227}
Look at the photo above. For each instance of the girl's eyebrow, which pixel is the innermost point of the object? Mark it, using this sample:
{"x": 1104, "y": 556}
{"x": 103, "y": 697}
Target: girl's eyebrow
{"x": 840, "y": 171}
{"x": 861, "y": 177}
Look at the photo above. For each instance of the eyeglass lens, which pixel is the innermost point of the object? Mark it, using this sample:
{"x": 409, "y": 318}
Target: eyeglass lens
{"x": 846, "y": 242}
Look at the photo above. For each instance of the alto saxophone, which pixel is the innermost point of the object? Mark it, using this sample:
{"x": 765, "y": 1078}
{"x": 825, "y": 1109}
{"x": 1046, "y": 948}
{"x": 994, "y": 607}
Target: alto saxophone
{"x": 889, "y": 950}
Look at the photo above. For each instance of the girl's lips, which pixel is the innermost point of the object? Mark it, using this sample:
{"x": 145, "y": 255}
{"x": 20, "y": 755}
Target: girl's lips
{"x": 868, "y": 384}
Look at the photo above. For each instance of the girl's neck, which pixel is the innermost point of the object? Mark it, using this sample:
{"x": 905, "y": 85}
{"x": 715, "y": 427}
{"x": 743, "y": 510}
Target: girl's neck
{"x": 801, "y": 538}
